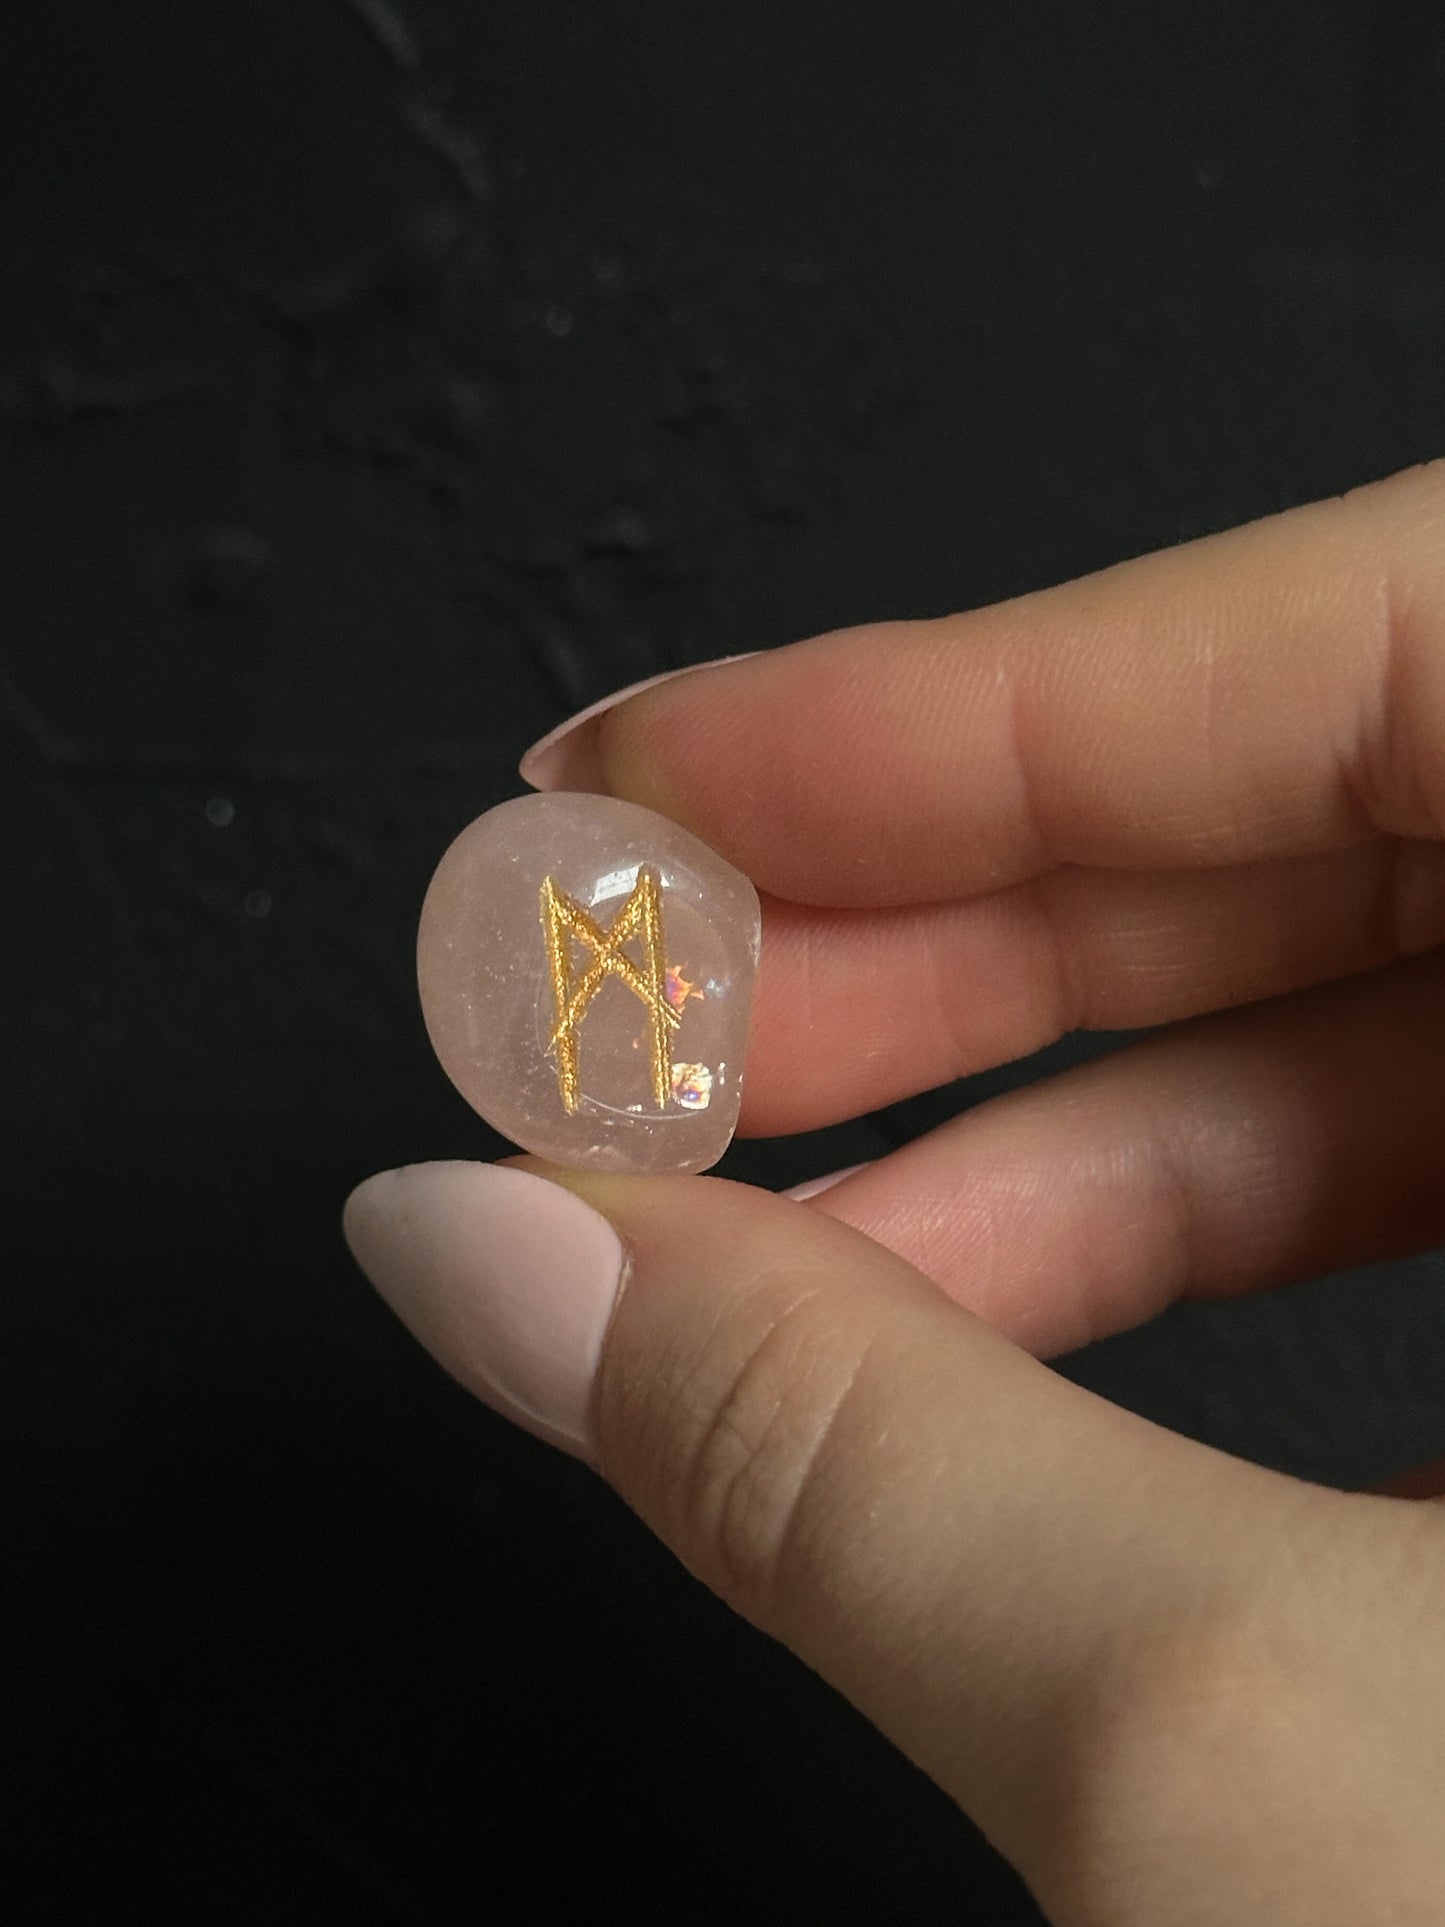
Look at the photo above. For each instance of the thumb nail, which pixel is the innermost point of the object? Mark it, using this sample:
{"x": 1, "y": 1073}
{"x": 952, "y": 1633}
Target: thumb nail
{"x": 507, "y": 1280}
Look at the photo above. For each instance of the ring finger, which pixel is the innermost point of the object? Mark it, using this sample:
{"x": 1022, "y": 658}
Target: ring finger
{"x": 1233, "y": 1153}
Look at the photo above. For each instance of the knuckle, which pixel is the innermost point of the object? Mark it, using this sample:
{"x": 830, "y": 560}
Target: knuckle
{"x": 1198, "y": 1731}
{"x": 748, "y": 1435}
{"x": 1195, "y": 1691}
{"x": 1180, "y": 1744}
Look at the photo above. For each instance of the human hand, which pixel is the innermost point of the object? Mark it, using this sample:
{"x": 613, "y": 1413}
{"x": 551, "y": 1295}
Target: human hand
{"x": 1205, "y": 786}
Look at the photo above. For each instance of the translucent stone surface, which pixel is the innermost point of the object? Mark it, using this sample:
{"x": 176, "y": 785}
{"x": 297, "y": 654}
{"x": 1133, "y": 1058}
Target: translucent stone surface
{"x": 586, "y": 972}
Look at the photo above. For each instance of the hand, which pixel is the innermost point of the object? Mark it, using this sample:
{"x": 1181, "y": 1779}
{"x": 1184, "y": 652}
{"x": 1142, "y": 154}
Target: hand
{"x": 1205, "y": 786}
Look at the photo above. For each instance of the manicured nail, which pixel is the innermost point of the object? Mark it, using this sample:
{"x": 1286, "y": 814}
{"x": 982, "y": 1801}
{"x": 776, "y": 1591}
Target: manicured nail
{"x": 507, "y": 1280}
{"x": 800, "y": 1193}
{"x": 566, "y": 758}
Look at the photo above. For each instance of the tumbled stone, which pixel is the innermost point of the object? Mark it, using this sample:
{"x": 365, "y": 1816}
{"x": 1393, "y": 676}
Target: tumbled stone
{"x": 586, "y": 972}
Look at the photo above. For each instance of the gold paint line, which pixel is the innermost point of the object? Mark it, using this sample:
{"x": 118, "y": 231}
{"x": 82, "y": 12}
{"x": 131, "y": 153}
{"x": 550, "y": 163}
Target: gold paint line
{"x": 640, "y": 916}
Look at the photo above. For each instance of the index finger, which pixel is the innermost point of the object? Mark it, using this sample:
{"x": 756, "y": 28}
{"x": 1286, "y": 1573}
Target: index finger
{"x": 1273, "y": 691}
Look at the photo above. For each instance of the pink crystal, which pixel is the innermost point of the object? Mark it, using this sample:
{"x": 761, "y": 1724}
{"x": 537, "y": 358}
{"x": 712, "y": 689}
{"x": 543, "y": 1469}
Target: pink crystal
{"x": 586, "y": 972}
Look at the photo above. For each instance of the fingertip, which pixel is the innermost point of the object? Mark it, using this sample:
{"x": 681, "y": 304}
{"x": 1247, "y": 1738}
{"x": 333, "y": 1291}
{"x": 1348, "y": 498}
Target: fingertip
{"x": 569, "y": 756}
{"x": 507, "y": 1278}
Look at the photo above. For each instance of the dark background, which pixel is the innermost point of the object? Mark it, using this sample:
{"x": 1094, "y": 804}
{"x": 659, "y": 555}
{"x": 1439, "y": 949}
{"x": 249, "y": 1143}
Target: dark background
{"x": 379, "y": 380}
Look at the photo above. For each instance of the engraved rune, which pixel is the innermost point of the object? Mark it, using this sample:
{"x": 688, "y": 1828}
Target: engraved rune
{"x": 640, "y": 916}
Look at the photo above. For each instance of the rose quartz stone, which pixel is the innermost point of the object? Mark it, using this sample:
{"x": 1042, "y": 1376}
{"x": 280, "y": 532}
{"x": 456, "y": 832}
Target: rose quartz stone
{"x": 586, "y": 972}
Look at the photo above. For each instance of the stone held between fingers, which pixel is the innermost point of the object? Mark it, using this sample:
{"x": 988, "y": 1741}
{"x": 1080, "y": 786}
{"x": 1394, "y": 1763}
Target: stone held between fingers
{"x": 586, "y": 970}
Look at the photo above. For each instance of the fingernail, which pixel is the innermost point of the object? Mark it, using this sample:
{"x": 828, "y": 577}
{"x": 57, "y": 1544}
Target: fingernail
{"x": 800, "y": 1193}
{"x": 566, "y": 758}
{"x": 507, "y": 1280}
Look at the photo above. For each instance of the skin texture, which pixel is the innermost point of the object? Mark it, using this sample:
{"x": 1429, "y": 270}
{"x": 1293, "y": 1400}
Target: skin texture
{"x": 1205, "y": 789}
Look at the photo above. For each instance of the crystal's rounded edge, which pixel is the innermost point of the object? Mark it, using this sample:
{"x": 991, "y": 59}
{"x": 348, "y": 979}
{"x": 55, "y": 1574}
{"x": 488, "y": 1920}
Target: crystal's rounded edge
{"x": 464, "y": 1000}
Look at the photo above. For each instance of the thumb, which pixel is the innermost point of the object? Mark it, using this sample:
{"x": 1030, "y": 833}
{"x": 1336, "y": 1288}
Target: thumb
{"x": 962, "y": 1542}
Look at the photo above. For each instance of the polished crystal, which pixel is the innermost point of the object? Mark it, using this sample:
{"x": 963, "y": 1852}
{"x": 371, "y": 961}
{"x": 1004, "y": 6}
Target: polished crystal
{"x": 586, "y": 971}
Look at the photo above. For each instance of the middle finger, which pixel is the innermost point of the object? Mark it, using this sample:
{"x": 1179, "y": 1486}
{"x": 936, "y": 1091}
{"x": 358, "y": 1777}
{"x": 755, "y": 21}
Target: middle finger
{"x": 858, "y": 1008}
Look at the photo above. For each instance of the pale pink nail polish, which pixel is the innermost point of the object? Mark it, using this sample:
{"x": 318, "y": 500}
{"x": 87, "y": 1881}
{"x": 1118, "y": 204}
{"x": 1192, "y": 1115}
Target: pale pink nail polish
{"x": 507, "y": 1280}
{"x": 800, "y": 1193}
{"x": 566, "y": 758}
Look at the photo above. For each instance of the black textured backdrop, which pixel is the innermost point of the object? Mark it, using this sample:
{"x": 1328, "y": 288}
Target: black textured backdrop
{"x": 379, "y": 379}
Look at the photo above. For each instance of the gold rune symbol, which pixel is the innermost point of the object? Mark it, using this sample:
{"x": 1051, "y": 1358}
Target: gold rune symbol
{"x": 640, "y": 916}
